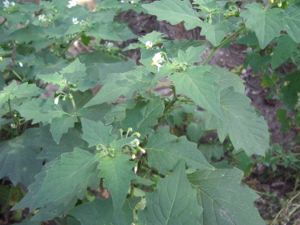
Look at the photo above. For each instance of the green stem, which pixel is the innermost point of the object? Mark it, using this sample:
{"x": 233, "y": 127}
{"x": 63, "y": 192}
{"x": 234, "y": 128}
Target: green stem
{"x": 15, "y": 120}
{"x": 170, "y": 105}
{"x": 226, "y": 41}
{"x": 17, "y": 75}
{"x": 73, "y": 102}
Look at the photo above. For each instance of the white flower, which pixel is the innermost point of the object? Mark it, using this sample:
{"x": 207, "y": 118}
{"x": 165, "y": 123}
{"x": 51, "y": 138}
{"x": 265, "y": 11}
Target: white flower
{"x": 42, "y": 18}
{"x": 56, "y": 100}
{"x": 20, "y": 64}
{"x": 158, "y": 60}
{"x": 109, "y": 44}
{"x": 75, "y": 20}
{"x": 72, "y": 3}
{"x": 8, "y": 4}
{"x": 149, "y": 44}
{"x": 135, "y": 142}
{"x": 143, "y": 151}
{"x": 122, "y": 1}
{"x": 135, "y": 169}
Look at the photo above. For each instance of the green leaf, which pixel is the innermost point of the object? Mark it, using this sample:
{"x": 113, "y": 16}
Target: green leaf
{"x": 165, "y": 150}
{"x": 174, "y": 11}
{"x": 27, "y": 222}
{"x": 60, "y": 126}
{"x": 154, "y": 37}
{"x": 18, "y": 91}
{"x": 201, "y": 87}
{"x": 215, "y": 32}
{"x": 292, "y": 22}
{"x": 173, "y": 203}
{"x": 73, "y": 73}
{"x": 212, "y": 152}
{"x": 283, "y": 51}
{"x": 290, "y": 90}
{"x": 191, "y": 55}
{"x": 18, "y": 158}
{"x": 95, "y": 133}
{"x": 40, "y": 110}
{"x": 266, "y": 23}
{"x": 144, "y": 116}
{"x": 53, "y": 78}
{"x": 109, "y": 93}
{"x": 111, "y": 31}
{"x": 101, "y": 212}
{"x": 61, "y": 182}
{"x": 117, "y": 173}
{"x": 116, "y": 85}
{"x": 52, "y": 150}
{"x": 224, "y": 200}
{"x": 245, "y": 128}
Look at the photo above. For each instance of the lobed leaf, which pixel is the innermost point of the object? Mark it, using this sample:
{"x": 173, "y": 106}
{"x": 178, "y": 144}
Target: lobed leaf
{"x": 174, "y": 11}
{"x": 61, "y": 182}
{"x": 173, "y": 203}
{"x": 224, "y": 199}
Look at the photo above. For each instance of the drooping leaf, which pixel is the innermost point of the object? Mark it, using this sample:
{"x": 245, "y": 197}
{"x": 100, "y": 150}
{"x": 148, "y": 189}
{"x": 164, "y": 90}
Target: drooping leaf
{"x": 173, "y": 203}
{"x": 18, "y": 158}
{"x": 174, "y": 11}
{"x": 164, "y": 151}
{"x": 117, "y": 173}
{"x": 266, "y": 23}
{"x": 61, "y": 182}
{"x": 224, "y": 199}
{"x": 95, "y": 133}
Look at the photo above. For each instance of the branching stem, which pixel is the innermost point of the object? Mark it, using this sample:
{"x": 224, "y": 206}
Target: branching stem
{"x": 226, "y": 41}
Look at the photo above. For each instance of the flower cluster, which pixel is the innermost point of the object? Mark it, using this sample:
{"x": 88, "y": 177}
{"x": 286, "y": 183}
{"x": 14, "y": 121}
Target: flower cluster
{"x": 42, "y": 18}
{"x": 72, "y": 3}
{"x": 131, "y": 2}
{"x": 149, "y": 44}
{"x": 8, "y": 4}
{"x": 75, "y": 20}
{"x": 158, "y": 60}
{"x": 45, "y": 19}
